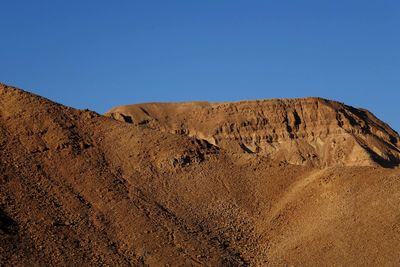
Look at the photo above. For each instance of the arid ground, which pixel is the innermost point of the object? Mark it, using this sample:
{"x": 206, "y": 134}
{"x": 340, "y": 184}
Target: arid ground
{"x": 291, "y": 182}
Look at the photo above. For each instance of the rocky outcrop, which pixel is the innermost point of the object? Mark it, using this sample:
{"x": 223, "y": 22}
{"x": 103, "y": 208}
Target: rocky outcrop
{"x": 309, "y": 131}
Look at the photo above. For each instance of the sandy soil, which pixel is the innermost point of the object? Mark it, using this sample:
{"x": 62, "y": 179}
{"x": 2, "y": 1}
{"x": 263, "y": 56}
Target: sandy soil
{"x": 80, "y": 189}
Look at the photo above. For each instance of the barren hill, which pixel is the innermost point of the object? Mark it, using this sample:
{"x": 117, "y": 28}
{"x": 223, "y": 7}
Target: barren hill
{"x": 298, "y": 131}
{"x": 197, "y": 184}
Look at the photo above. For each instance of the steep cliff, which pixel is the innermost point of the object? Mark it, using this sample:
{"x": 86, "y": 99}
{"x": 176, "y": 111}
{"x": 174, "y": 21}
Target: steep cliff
{"x": 311, "y": 131}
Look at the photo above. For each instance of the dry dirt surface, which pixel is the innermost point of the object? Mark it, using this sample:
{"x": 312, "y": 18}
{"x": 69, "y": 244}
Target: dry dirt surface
{"x": 303, "y": 182}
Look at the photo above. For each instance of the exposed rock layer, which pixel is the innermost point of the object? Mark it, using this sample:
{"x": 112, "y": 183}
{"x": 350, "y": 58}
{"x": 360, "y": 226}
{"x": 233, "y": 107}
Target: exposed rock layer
{"x": 299, "y": 131}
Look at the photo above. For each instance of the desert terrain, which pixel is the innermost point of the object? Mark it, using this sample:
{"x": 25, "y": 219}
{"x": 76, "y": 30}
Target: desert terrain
{"x": 281, "y": 182}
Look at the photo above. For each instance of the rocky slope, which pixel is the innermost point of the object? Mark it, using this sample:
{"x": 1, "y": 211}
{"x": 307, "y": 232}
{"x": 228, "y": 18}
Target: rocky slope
{"x": 298, "y": 131}
{"x": 80, "y": 189}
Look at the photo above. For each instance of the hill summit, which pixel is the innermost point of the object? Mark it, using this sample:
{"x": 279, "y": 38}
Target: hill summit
{"x": 311, "y": 131}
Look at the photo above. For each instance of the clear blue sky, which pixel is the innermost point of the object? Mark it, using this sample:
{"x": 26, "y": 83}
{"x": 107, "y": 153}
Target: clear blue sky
{"x": 98, "y": 54}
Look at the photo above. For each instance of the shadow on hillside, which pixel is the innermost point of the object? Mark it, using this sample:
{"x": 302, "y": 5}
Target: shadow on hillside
{"x": 7, "y": 225}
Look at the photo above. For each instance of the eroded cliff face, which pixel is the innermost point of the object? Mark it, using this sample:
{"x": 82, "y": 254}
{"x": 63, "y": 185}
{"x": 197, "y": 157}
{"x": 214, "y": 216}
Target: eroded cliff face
{"x": 309, "y": 131}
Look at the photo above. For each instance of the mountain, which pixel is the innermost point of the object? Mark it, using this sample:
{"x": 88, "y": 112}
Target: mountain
{"x": 311, "y": 131}
{"x": 197, "y": 184}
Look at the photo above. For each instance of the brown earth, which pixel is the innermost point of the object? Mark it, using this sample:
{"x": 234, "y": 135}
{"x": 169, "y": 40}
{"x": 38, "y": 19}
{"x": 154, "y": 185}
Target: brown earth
{"x": 306, "y": 182}
{"x": 309, "y": 131}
